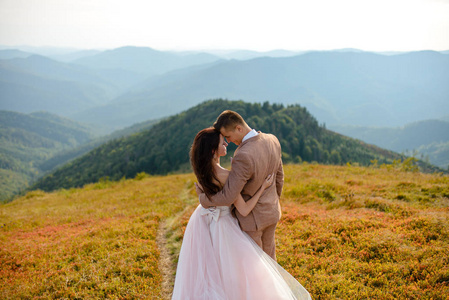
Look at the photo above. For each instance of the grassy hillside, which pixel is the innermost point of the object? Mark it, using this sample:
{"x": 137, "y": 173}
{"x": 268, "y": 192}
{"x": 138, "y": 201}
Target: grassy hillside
{"x": 165, "y": 147}
{"x": 346, "y": 233}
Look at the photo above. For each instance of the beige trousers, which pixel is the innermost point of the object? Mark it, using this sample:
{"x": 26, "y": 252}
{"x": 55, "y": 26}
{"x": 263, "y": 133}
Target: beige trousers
{"x": 265, "y": 239}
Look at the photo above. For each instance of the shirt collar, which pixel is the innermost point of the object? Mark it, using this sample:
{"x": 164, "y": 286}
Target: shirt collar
{"x": 249, "y": 135}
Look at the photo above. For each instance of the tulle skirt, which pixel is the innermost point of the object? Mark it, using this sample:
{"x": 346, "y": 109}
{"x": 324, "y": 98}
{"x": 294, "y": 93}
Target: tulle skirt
{"x": 219, "y": 261}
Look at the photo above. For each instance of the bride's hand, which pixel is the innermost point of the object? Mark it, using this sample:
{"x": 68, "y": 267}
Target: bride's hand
{"x": 268, "y": 181}
{"x": 198, "y": 188}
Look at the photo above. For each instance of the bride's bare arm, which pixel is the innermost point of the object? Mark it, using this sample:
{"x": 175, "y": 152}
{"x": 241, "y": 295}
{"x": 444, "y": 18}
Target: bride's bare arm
{"x": 245, "y": 207}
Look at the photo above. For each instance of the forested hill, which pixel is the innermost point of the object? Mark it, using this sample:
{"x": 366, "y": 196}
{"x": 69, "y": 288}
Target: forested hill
{"x": 165, "y": 147}
{"x": 26, "y": 140}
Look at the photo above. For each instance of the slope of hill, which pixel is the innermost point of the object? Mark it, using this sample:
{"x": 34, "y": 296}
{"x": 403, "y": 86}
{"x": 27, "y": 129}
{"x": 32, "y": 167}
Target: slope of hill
{"x": 165, "y": 147}
{"x": 65, "y": 156}
{"x": 345, "y": 233}
{"x": 426, "y": 138}
{"x": 28, "y": 140}
{"x": 336, "y": 87}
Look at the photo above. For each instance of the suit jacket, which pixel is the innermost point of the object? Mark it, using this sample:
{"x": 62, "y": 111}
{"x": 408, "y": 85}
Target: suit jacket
{"x": 253, "y": 161}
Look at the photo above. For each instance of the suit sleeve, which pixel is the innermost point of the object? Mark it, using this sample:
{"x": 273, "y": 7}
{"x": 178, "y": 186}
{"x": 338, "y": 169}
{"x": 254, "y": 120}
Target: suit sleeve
{"x": 205, "y": 202}
{"x": 241, "y": 172}
{"x": 279, "y": 179}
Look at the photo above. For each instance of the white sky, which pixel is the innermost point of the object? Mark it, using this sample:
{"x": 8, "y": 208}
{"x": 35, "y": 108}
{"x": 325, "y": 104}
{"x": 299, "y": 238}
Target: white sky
{"x": 373, "y": 25}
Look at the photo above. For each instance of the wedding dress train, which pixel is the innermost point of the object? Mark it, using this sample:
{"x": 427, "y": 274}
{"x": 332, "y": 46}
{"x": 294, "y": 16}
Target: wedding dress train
{"x": 219, "y": 261}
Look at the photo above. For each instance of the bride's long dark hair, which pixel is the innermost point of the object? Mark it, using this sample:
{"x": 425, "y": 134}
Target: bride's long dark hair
{"x": 204, "y": 146}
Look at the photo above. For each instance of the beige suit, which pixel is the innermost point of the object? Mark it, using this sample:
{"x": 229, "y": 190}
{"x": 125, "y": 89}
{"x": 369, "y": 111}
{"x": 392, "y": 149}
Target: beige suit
{"x": 253, "y": 161}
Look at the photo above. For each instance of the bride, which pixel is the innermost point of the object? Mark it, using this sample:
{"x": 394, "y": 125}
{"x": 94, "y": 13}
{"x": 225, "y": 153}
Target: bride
{"x": 217, "y": 259}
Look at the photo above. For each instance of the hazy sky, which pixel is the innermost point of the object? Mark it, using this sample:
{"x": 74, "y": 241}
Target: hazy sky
{"x": 376, "y": 25}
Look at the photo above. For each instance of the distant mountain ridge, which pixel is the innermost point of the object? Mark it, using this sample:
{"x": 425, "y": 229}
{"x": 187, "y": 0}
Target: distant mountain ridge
{"x": 13, "y": 53}
{"x": 165, "y": 147}
{"x": 38, "y": 83}
{"x": 132, "y": 84}
{"x": 356, "y": 88}
{"x": 33, "y": 82}
{"x": 143, "y": 60}
{"x": 426, "y": 138}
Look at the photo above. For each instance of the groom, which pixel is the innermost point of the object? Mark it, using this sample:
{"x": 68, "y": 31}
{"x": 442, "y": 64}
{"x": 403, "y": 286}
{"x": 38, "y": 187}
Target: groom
{"x": 257, "y": 156}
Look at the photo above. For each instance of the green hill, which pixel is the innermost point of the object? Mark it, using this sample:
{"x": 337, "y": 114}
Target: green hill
{"x": 28, "y": 140}
{"x": 165, "y": 147}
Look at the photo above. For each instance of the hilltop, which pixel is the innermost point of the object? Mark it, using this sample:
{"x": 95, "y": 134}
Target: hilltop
{"x": 164, "y": 148}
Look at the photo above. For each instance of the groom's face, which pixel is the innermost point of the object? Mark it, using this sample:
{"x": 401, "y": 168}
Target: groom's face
{"x": 232, "y": 135}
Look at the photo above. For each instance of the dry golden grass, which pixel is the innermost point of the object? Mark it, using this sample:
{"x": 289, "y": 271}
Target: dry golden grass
{"x": 346, "y": 233}
{"x": 95, "y": 242}
{"x": 366, "y": 233}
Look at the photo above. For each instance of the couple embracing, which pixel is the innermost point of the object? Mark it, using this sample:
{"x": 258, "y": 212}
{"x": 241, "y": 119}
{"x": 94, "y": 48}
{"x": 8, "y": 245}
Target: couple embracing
{"x": 228, "y": 250}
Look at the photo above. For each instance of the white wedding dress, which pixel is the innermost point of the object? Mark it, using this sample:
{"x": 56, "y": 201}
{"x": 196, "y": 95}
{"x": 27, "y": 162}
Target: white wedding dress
{"x": 219, "y": 261}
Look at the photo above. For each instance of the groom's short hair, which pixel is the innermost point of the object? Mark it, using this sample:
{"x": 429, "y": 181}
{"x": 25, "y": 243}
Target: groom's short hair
{"x": 228, "y": 120}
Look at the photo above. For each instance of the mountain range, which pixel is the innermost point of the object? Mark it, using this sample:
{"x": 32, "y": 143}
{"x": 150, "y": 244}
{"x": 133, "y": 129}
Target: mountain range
{"x": 338, "y": 88}
{"x": 37, "y": 83}
{"x": 133, "y": 84}
{"x": 425, "y": 139}
{"x": 31, "y": 83}
{"x": 352, "y": 92}
{"x": 143, "y": 60}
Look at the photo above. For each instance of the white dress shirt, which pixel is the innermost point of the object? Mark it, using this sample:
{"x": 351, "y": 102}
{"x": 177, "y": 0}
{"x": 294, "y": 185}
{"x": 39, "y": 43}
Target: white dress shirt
{"x": 249, "y": 135}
